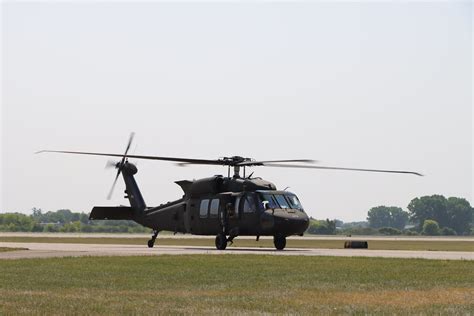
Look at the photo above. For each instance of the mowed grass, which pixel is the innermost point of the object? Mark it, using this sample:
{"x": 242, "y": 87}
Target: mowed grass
{"x": 434, "y": 245}
{"x": 5, "y": 249}
{"x": 235, "y": 284}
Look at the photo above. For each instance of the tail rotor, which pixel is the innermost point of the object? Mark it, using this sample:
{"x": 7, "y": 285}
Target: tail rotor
{"x": 119, "y": 165}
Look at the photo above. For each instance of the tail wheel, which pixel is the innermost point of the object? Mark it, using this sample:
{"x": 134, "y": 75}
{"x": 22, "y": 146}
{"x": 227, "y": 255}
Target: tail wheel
{"x": 221, "y": 241}
{"x": 279, "y": 242}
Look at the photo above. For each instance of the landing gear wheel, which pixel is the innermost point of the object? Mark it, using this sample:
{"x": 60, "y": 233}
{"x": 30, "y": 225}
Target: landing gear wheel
{"x": 279, "y": 242}
{"x": 151, "y": 242}
{"x": 221, "y": 241}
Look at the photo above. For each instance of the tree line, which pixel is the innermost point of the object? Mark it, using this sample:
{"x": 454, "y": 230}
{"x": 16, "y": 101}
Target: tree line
{"x": 429, "y": 215}
{"x": 426, "y": 215}
{"x": 64, "y": 221}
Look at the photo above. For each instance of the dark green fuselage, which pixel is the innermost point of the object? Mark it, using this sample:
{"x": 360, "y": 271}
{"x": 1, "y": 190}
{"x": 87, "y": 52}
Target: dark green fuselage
{"x": 210, "y": 206}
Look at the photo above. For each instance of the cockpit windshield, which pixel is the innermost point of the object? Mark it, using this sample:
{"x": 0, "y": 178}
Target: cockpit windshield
{"x": 269, "y": 199}
{"x": 294, "y": 202}
{"x": 281, "y": 200}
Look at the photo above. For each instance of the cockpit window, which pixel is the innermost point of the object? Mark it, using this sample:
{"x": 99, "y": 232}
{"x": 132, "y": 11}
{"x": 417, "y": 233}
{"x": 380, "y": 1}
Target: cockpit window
{"x": 294, "y": 202}
{"x": 282, "y": 201}
{"x": 269, "y": 200}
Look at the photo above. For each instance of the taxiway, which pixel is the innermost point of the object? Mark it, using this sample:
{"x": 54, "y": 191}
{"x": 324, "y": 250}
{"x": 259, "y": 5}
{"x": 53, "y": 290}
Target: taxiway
{"x": 47, "y": 250}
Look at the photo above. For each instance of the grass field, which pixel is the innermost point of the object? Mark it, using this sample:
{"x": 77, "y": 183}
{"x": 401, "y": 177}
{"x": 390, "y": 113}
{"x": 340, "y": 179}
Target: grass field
{"x": 231, "y": 284}
{"x": 435, "y": 245}
{"x": 4, "y": 249}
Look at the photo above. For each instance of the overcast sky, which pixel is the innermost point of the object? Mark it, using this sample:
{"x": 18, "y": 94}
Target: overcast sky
{"x": 370, "y": 84}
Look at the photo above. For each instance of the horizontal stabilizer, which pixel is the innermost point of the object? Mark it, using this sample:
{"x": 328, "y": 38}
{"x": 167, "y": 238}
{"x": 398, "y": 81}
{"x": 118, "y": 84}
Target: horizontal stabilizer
{"x": 111, "y": 212}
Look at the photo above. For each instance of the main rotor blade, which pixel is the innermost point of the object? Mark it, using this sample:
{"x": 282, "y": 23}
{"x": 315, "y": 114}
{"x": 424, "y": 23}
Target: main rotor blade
{"x": 220, "y": 162}
{"x": 109, "y": 196}
{"x": 175, "y": 159}
{"x": 263, "y": 162}
{"x": 340, "y": 168}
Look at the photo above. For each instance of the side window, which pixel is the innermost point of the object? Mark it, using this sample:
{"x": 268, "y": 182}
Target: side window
{"x": 249, "y": 204}
{"x": 203, "y": 208}
{"x": 236, "y": 207}
{"x": 214, "y": 210}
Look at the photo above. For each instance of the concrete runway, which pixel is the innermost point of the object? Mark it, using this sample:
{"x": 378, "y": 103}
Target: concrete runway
{"x": 48, "y": 250}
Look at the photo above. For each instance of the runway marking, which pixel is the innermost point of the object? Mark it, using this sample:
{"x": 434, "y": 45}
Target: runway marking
{"x": 49, "y": 250}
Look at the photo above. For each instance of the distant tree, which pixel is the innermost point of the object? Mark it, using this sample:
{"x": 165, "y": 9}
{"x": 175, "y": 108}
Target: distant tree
{"x": 37, "y": 213}
{"x": 410, "y": 232}
{"x": 318, "y": 227}
{"x": 84, "y": 218}
{"x": 60, "y": 216}
{"x": 379, "y": 217}
{"x": 446, "y": 231}
{"x": 16, "y": 222}
{"x": 358, "y": 230}
{"x": 399, "y": 218}
{"x": 429, "y": 207}
{"x": 455, "y": 213}
{"x": 430, "y": 228}
{"x": 72, "y": 227}
{"x": 37, "y": 227}
{"x": 331, "y": 226}
{"x": 384, "y": 216}
{"x": 389, "y": 231}
{"x": 355, "y": 224}
{"x": 67, "y": 221}
{"x": 51, "y": 228}
{"x": 460, "y": 214}
{"x": 87, "y": 229}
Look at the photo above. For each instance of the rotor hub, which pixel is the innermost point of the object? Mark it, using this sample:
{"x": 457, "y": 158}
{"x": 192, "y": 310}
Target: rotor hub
{"x": 234, "y": 160}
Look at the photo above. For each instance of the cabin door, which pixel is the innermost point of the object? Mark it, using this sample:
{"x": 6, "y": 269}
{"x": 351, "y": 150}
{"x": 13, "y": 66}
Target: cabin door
{"x": 229, "y": 212}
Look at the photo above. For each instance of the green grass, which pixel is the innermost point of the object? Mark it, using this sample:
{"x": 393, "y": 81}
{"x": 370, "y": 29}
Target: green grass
{"x": 231, "y": 284}
{"x": 5, "y": 249}
{"x": 435, "y": 245}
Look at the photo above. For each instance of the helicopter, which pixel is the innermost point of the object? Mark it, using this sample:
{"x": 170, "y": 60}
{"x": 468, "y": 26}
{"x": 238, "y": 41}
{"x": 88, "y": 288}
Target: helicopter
{"x": 226, "y": 207}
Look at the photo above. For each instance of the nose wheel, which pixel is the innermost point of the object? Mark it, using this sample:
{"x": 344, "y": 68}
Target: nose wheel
{"x": 221, "y": 241}
{"x": 279, "y": 242}
{"x": 151, "y": 242}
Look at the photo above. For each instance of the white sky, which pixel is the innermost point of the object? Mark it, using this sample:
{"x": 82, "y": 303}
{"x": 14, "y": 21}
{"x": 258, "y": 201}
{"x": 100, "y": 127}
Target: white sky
{"x": 371, "y": 84}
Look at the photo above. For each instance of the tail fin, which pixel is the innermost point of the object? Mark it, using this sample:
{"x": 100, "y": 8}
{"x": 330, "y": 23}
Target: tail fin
{"x": 133, "y": 192}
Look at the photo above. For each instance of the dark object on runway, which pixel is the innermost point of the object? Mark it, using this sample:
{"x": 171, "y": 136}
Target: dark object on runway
{"x": 356, "y": 244}
{"x": 222, "y": 206}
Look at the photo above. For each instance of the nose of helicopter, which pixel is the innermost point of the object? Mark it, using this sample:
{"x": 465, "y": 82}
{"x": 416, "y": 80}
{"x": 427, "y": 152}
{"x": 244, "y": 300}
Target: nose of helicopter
{"x": 290, "y": 223}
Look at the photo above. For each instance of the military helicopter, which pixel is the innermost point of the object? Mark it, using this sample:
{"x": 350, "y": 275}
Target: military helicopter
{"x": 226, "y": 207}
